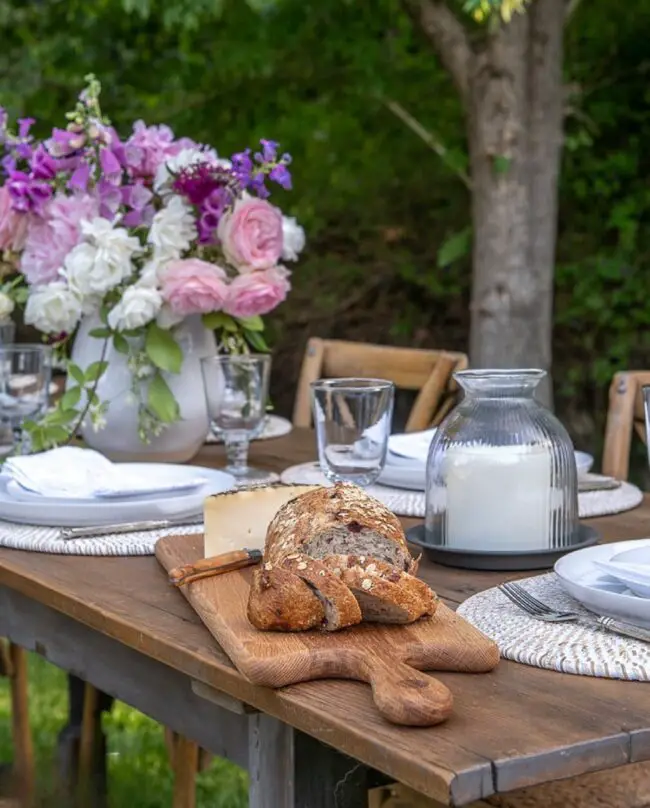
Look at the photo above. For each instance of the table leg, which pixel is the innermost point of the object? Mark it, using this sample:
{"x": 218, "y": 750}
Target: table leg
{"x": 288, "y": 769}
{"x": 69, "y": 743}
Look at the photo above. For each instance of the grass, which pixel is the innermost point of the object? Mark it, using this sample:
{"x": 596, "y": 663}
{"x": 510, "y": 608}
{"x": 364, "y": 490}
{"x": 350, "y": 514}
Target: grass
{"x": 138, "y": 768}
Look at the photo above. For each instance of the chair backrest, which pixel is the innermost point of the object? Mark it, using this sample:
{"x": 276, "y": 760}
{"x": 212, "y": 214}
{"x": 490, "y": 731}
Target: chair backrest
{"x": 625, "y": 416}
{"x": 427, "y": 371}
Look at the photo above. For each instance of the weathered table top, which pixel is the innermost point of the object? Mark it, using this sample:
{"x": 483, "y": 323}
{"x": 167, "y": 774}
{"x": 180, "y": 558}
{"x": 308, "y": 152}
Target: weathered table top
{"x": 515, "y": 727}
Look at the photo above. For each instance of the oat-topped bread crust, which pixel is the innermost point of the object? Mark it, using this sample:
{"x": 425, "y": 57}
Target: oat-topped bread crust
{"x": 340, "y": 519}
{"x": 384, "y": 593}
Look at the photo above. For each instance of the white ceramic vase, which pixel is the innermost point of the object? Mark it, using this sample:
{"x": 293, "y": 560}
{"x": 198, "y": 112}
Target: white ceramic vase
{"x": 118, "y": 439}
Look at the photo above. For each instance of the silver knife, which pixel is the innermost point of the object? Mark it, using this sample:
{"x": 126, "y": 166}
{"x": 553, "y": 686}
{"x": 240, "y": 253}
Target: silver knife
{"x": 69, "y": 533}
{"x": 620, "y": 627}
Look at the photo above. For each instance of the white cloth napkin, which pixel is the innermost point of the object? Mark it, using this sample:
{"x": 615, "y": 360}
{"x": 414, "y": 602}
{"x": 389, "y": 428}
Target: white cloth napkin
{"x": 74, "y": 473}
{"x": 412, "y": 445}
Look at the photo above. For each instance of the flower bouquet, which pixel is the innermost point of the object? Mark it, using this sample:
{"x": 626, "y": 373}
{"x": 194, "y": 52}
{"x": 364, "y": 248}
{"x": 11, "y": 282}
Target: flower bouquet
{"x": 135, "y": 236}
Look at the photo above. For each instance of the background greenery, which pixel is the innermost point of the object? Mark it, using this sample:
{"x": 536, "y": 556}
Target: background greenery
{"x": 379, "y": 205}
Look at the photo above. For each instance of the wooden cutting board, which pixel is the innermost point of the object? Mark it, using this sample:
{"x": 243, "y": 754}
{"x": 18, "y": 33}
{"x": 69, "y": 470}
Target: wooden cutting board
{"x": 387, "y": 657}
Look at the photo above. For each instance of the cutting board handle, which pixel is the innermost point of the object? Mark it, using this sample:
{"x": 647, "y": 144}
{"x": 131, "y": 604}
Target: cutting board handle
{"x": 404, "y": 695}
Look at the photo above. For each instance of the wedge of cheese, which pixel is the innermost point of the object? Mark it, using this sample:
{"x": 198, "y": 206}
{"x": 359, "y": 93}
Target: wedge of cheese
{"x": 236, "y": 520}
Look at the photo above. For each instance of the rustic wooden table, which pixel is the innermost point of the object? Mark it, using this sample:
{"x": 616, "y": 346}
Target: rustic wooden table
{"x": 119, "y": 625}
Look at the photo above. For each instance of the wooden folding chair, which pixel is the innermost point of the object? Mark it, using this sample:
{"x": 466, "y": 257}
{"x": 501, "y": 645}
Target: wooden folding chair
{"x": 625, "y": 416}
{"x": 427, "y": 371}
{"x": 13, "y": 664}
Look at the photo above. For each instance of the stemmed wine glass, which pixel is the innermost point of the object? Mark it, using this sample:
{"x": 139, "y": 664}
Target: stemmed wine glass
{"x": 24, "y": 380}
{"x": 236, "y": 390}
{"x": 353, "y": 421}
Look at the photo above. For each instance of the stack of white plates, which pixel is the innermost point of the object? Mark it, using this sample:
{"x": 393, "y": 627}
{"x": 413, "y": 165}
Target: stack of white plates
{"x": 158, "y": 491}
{"x": 406, "y": 461}
{"x": 611, "y": 579}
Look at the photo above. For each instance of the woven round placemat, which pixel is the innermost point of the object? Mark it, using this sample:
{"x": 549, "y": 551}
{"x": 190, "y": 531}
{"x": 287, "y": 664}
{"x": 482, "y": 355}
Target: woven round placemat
{"x": 565, "y": 647}
{"x": 412, "y": 503}
{"x": 44, "y": 540}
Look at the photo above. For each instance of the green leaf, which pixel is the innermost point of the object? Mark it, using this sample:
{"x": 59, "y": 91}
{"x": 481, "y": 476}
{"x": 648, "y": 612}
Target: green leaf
{"x": 100, "y": 333}
{"x": 162, "y": 349}
{"x": 77, "y": 373}
{"x": 70, "y": 398}
{"x": 456, "y": 246}
{"x": 251, "y": 323}
{"x": 120, "y": 343}
{"x": 59, "y": 417}
{"x": 55, "y": 434}
{"x": 94, "y": 371}
{"x": 256, "y": 340}
{"x": 161, "y": 400}
{"x": 217, "y": 319}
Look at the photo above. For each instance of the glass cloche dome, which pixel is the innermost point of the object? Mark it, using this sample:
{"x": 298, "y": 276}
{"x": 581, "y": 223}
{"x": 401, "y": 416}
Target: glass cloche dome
{"x": 501, "y": 470}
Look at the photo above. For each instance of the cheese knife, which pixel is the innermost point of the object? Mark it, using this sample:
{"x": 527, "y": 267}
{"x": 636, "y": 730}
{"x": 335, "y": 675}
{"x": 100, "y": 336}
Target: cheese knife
{"x": 215, "y": 565}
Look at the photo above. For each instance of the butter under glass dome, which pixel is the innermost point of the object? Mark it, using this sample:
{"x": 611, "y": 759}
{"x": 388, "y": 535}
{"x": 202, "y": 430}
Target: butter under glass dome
{"x": 501, "y": 486}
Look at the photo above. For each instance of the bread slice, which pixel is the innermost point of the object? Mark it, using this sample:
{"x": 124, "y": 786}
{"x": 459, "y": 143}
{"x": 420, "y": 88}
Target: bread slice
{"x": 338, "y": 520}
{"x": 278, "y": 600}
{"x": 384, "y": 593}
{"x": 281, "y": 601}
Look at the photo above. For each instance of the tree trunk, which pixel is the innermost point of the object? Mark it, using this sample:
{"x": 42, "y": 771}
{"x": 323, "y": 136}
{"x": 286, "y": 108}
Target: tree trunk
{"x": 515, "y": 98}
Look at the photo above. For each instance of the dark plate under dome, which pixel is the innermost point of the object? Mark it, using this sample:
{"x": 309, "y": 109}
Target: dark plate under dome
{"x": 500, "y": 561}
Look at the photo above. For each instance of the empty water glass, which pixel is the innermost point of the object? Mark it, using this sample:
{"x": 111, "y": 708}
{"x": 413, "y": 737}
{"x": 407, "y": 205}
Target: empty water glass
{"x": 353, "y": 421}
{"x": 24, "y": 378}
{"x": 236, "y": 390}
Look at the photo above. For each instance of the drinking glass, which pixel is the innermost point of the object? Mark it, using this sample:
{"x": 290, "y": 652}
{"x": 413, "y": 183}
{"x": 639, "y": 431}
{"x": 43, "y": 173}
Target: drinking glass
{"x": 353, "y": 420}
{"x": 236, "y": 390}
{"x": 24, "y": 377}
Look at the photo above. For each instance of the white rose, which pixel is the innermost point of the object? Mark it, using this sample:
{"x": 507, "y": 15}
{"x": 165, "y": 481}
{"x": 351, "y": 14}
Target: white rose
{"x": 139, "y": 305}
{"x": 184, "y": 159}
{"x": 53, "y": 309}
{"x": 293, "y": 239}
{"x": 172, "y": 231}
{"x": 103, "y": 261}
{"x": 7, "y": 306}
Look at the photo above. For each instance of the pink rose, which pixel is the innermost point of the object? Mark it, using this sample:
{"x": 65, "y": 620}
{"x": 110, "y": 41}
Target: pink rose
{"x": 13, "y": 225}
{"x": 257, "y": 293}
{"x": 192, "y": 286}
{"x": 251, "y": 235}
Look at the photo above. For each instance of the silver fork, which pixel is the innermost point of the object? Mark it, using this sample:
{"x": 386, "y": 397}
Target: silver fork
{"x": 541, "y": 611}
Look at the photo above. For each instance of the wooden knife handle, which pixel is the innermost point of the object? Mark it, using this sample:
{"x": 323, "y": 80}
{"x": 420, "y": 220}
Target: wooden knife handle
{"x": 215, "y": 565}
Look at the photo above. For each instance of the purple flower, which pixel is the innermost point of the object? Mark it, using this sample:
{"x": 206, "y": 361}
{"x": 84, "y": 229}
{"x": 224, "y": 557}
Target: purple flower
{"x": 269, "y": 152}
{"x": 137, "y": 197}
{"x": 80, "y": 177}
{"x": 281, "y": 174}
{"x": 242, "y": 166}
{"x": 24, "y": 125}
{"x": 110, "y": 165}
{"x": 43, "y": 166}
{"x": 149, "y": 146}
{"x": 27, "y": 192}
{"x": 257, "y": 185}
{"x": 65, "y": 143}
{"x": 110, "y": 198}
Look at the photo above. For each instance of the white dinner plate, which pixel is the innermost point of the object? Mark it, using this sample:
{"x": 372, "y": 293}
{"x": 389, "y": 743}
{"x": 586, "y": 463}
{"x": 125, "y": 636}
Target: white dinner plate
{"x": 32, "y": 509}
{"x": 599, "y": 592}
